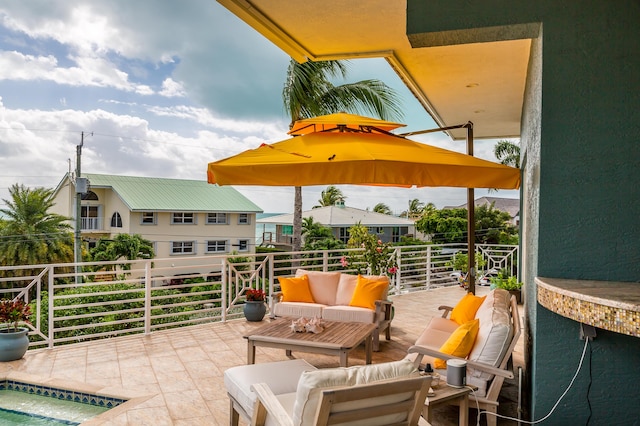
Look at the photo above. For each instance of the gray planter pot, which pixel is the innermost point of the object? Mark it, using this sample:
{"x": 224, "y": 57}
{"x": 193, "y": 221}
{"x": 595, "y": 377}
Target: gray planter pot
{"x": 13, "y": 344}
{"x": 254, "y": 311}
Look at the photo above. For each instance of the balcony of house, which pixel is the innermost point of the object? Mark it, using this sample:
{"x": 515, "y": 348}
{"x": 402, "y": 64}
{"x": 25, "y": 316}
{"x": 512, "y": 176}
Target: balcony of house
{"x": 162, "y": 334}
{"x": 88, "y": 224}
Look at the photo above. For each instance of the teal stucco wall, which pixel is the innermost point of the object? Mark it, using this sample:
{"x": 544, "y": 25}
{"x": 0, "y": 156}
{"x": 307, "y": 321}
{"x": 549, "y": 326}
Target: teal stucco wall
{"x": 581, "y": 181}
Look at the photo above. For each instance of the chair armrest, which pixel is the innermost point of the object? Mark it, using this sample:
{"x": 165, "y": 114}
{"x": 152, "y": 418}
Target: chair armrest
{"x": 446, "y": 310}
{"x": 424, "y": 350}
{"x": 276, "y": 296}
{"x": 383, "y": 310}
{"x": 267, "y": 402}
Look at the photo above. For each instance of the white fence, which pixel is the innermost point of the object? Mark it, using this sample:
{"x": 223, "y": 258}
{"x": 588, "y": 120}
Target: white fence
{"x": 79, "y": 302}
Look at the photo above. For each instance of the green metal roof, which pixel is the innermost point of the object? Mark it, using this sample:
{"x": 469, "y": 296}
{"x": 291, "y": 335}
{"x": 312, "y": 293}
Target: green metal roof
{"x": 159, "y": 194}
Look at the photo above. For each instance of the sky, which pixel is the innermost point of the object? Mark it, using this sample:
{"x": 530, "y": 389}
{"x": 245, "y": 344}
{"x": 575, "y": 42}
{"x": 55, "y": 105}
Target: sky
{"x": 160, "y": 88}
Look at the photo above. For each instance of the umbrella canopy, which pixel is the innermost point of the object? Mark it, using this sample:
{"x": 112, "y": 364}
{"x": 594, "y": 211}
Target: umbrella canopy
{"x": 359, "y": 158}
{"x": 341, "y": 121}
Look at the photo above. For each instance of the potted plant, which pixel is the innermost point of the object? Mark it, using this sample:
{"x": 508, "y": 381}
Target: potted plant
{"x": 254, "y": 306}
{"x": 511, "y": 284}
{"x": 14, "y": 341}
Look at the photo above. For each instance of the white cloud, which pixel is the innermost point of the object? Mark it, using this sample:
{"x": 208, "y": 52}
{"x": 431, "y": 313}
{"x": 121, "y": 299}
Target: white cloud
{"x": 172, "y": 89}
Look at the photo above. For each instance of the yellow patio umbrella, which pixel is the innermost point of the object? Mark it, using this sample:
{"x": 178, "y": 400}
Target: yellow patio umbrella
{"x": 351, "y": 149}
{"x": 359, "y": 158}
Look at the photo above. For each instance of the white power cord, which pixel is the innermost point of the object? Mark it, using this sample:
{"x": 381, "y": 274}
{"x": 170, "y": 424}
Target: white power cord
{"x": 584, "y": 351}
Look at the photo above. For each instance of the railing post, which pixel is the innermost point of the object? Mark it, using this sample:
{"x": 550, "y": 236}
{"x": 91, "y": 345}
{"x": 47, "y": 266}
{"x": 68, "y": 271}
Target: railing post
{"x": 398, "y": 271}
{"x": 224, "y": 289}
{"x": 147, "y": 297}
{"x": 50, "y": 308}
{"x": 428, "y": 264}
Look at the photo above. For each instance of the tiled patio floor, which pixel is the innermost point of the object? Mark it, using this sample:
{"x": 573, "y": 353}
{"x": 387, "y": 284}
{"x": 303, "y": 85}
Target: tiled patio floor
{"x": 176, "y": 375}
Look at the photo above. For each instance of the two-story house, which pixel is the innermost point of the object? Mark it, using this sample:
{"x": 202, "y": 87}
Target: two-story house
{"x": 181, "y": 217}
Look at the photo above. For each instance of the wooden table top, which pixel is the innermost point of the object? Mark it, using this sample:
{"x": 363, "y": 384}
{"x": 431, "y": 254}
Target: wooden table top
{"x": 335, "y": 334}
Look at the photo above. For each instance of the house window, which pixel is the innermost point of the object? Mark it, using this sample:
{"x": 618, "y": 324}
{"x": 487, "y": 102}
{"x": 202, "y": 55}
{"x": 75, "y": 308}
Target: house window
{"x": 183, "y": 247}
{"x": 217, "y": 218}
{"x": 344, "y": 234}
{"x": 243, "y": 219}
{"x": 90, "y": 217}
{"x": 90, "y": 196}
{"x": 148, "y": 218}
{"x": 243, "y": 245}
{"x": 217, "y": 246}
{"x": 116, "y": 220}
{"x": 183, "y": 218}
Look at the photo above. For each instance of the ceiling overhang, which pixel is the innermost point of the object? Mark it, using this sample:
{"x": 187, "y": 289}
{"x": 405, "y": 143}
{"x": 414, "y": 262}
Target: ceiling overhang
{"x": 456, "y": 79}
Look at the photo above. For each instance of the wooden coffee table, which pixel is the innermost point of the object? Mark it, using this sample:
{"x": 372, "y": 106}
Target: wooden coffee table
{"x": 338, "y": 338}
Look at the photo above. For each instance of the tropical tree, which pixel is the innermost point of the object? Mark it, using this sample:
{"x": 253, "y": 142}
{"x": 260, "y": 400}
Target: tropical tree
{"x": 309, "y": 92}
{"x": 415, "y": 209}
{"x": 30, "y": 234}
{"x": 382, "y": 208}
{"x": 507, "y": 153}
{"x": 123, "y": 246}
{"x": 318, "y": 236}
{"x": 329, "y": 197}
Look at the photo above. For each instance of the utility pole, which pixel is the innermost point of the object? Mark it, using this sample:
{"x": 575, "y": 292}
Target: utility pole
{"x": 81, "y": 188}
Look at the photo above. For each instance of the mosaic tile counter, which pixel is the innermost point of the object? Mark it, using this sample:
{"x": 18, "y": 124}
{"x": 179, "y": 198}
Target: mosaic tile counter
{"x": 610, "y": 305}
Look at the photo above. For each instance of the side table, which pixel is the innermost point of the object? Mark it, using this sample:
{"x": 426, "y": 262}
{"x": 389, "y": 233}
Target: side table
{"x": 443, "y": 394}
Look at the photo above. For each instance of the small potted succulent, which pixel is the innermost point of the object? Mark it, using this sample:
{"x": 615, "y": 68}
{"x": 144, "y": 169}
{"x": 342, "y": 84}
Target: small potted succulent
{"x": 254, "y": 306}
{"x": 14, "y": 341}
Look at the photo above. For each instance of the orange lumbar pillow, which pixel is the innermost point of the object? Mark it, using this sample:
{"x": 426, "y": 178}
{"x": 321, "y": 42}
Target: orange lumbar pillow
{"x": 460, "y": 342}
{"x": 368, "y": 290}
{"x": 296, "y": 289}
{"x": 466, "y": 308}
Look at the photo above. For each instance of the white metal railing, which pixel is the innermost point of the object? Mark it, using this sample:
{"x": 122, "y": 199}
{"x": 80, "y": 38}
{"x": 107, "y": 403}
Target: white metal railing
{"x": 106, "y": 299}
{"x": 91, "y": 223}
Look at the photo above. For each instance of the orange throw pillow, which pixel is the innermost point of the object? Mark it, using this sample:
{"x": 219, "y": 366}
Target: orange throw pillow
{"x": 296, "y": 289}
{"x": 368, "y": 290}
{"x": 459, "y": 343}
{"x": 466, "y": 308}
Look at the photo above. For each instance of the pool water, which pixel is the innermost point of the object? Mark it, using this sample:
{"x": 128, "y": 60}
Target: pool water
{"x": 22, "y": 408}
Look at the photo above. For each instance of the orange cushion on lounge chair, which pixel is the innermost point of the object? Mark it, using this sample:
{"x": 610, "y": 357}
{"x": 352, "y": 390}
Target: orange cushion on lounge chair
{"x": 466, "y": 308}
{"x": 296, "y": 289}
{"x": 368, "y": 290}
{"x": 459, "y": 343}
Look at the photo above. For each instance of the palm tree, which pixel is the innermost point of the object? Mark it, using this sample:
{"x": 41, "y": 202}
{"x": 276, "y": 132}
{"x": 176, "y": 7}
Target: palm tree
{"x": 415, "y": 209}
{"x": 329, "y": 197}
{"x": 382, "y": 208}
{"x": 30, "y": 234}
{"x": 508, "y": 153}
{"x": 309, "y": 92}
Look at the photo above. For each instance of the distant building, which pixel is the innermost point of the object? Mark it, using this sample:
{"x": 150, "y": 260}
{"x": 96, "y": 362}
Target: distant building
{"x": 181, "y": 217}
{"x": 340, "y": 218}
{"x": 509, "y": 205}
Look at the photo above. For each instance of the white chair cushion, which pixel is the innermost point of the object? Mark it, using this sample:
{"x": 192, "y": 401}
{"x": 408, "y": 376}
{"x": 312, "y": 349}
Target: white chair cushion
{"x": 323, "y": 285}
{"x": 348, "y": 313}
{"x": 346, "y": 287}
{"x": 298, "y": 309}
{"x": 495, "y": 332}
{"x": 281, "y": 376}
{"x": 313, "y": 382}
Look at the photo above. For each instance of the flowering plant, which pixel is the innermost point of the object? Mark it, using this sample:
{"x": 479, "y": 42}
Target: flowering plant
{"x": 12, "y": 312}
{"x": 255, "y": 295}
{"x": 377, "y": 258}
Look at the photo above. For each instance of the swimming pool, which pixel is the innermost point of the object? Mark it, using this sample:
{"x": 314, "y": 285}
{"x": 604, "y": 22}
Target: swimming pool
{"x": 24, "y": 403}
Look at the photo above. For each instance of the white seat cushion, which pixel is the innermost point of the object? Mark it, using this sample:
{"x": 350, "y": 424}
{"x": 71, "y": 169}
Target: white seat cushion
{"x": 281, "y": 376}
{"x": 348, "y": 314}
{"x": 298, "y": 309}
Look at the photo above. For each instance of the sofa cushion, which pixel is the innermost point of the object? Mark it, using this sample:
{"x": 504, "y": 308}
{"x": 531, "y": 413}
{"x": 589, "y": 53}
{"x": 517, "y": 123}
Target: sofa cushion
{"x": 465, "y": 310}
{"x": 323, "y": 285}
{"x": 312, "y": 383}
{"x": 368, "y": 290}
{"x": 495, "y": 333}
{"x": 298, "y": 309}
{"x": 348, "y": 314}
{"x": 296, "y": 289}
{"x": 346, "y": 286}
{"x": 459, "y": 343}
{"x": 281, "y": 376}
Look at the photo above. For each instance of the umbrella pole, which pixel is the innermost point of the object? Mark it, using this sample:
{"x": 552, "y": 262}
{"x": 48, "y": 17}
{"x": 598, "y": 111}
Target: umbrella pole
{"x": 471, "y": 220}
